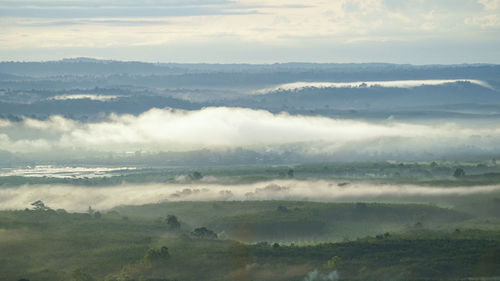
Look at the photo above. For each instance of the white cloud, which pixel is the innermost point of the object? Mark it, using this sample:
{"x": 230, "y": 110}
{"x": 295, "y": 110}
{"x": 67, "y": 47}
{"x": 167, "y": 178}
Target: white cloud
{"x": 5, "y": 123}
{"x": 222, "y": 127}
{"x": 271, "y": 23}
{"x": 360, "y": 84}
{"x": 64, "y": 172}
{"x": 490, "y": 4}
{"x": 84, "y": 96}
{"x": 74, "y": 198}
{"x": 54, "y": 123}
{"x": 487, "y": 21}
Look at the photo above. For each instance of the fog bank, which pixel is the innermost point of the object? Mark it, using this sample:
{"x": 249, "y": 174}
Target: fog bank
{"x": 224, "y": 127}
{"x": 364, "y": 84}
{"x": 77, "y": 198}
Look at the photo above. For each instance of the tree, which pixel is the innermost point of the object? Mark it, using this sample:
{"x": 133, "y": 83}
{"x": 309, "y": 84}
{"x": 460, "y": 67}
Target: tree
{"x": 172, "y": 222}
{"x": 40, "y": 206}
{"x": 196, "y": 176}
{"x": 332, "y": 263}
{"x": 204, "y": 233}
{"x": 282, "y": 209}
{"x": 80, "y": 275}
{"x": 361, "y": 206}
{"x": 459, "y": 173}
{"x": 157, "y": 254}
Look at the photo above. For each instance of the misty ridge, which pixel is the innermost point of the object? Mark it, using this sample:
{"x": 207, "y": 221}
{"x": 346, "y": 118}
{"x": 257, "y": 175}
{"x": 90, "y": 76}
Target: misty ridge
{"x": 78, "y": 198}
{"x": 219, "y": 128}
{"x": 128, "y": 171}
{"x": 295, "y": 111}
{"x": 249, "y": 140}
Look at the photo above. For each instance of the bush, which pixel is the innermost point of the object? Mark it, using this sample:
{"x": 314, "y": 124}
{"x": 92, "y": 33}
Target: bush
{"x": 204, "y": 233}
{"x": 157, "y": 254}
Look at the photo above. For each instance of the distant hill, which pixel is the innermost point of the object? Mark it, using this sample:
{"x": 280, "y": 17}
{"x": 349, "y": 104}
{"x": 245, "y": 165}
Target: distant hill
{"x": 30, "y": 88}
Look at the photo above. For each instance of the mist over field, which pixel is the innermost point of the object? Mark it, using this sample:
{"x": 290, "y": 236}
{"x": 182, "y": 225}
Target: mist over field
{"x": 223, "y": 127}
{"x": 364, "y": 84}
{"x": 99, "y": 111}
{"x": 249, "y": 140}
{"x": 120, "y": 171}
{"x": 78, "y": 199}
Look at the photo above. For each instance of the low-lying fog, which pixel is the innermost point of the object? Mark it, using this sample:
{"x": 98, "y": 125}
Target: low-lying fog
{"x": 224, "y": 127}
{"x": 77, "y": 198}
{"x": 64, "y": 172}
{"x": 364, "y": 84}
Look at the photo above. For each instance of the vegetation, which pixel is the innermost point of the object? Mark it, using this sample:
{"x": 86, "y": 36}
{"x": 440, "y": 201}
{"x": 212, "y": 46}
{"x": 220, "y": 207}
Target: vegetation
{"x": 397, "y": 241}
{"x": 440, "y": 219}
{"x": 444, "y": 173}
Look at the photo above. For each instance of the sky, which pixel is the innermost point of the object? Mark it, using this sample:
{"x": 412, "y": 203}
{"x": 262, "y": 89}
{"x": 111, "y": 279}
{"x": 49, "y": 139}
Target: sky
{"x": 252, "y": 31}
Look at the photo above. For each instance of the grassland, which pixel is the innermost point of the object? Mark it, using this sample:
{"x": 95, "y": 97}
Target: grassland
{"x": 257, "y": 240}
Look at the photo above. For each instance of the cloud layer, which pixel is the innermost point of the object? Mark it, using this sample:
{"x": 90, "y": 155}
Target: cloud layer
{"x": 84, "y": 96}
{"x": 361, "y": 84}
{"x": 223, "y": 127}
{"x": 75, "y": 198}
{"x": 326, "y": 30}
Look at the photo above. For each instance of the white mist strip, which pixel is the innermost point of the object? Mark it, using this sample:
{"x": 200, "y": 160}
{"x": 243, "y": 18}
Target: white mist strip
{"x": 367, "y": 84}
{"x": 62, "y": 172}
{"x": 83, "y": 96}
{"x": 78, "y": 198}
{"x": 223, "y": 127}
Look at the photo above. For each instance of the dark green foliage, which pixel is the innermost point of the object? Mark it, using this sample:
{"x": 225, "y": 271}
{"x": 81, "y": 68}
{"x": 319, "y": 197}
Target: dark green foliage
{"x": 282, "y": 209}
{"x": 156, "y": 255}
{"x": 81, "y": 275}
{"x": 172, "y": 222}
{"x": 435, "y": 256}
{"x": 47, "y": 246}
{"x": 326, "y": 220}
{"x": 196, "y": 176}
{"x": 61, "y": 246}
{"x": 204, "y": 233}
{"x": 39, "y": 206}
{"x": 459, "y": 173}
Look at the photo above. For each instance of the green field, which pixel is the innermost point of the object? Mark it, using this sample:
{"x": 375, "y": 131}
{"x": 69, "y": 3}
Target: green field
{"x": 256, "y": 240}
{"x": 422, "y": 173}
{"x": 410, "y": 235}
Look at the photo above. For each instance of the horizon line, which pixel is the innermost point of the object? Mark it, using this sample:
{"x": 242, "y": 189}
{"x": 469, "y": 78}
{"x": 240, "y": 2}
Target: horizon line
{"x": 83, "y": 59}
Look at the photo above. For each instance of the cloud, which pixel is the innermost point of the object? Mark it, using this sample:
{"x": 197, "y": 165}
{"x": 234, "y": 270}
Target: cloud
{"x": 64, "y": 172}
{"x": 111, "y": 9}
{"x": 54, "y": 123}
{"x": 361, "y": 84}
{"x": 75, "y": 198}
{"x": 223, "y": 127}
{"x": 112, "y": 3}
{"x": 277, "y": 25}
{"x": 490, "y": 4}
{"x": 5, "y": 123}
{"x": 84, "y": 96}
{"x": 484, "y": 21}
{"x": 92, "y": 21}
